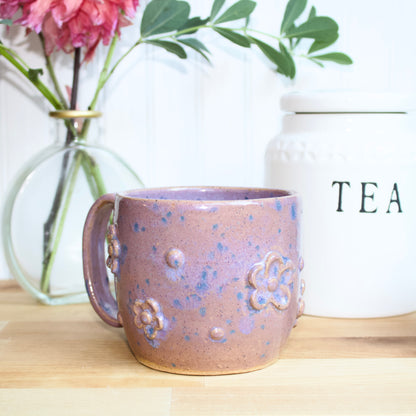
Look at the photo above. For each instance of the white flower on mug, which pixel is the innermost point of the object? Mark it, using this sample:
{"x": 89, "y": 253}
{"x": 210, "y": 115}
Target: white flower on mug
{"x": 272, "y": 279}
{"x": 149, "y": 317}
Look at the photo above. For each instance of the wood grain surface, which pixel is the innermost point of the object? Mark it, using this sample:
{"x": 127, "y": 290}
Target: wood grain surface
{"x": 64, "y": 360}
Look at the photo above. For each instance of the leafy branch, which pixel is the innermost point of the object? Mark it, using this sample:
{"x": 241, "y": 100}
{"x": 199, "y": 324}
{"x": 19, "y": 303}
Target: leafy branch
{"x": 167, "y": 24}
{"x": 32, "y": 74}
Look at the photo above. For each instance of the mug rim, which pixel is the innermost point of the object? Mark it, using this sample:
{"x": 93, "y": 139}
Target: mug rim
{"x": 280, "y": 194}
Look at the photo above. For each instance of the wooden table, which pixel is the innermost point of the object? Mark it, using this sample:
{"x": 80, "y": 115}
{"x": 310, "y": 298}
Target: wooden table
{"x": 64, "y": 360}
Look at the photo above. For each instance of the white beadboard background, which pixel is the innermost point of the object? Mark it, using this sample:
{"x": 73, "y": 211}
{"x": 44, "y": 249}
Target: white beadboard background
{"x": 190, "y": 123}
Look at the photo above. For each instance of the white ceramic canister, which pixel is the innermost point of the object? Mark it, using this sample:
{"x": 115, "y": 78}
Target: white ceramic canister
{"x": 352, "y": 158}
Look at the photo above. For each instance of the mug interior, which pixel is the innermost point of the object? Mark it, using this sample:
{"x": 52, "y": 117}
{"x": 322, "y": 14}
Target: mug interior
{"x": 206, "y": 194}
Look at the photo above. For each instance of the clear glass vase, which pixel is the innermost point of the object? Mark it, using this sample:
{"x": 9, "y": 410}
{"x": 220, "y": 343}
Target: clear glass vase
{"x": 46, "y": 207}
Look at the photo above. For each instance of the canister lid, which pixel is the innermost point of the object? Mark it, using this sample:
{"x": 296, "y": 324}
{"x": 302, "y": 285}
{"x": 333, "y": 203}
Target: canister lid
{"x": 347, "y": 102}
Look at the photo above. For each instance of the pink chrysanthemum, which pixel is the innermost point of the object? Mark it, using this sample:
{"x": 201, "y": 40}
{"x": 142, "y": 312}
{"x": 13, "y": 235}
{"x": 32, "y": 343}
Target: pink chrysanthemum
{"x": 69, "y": 24}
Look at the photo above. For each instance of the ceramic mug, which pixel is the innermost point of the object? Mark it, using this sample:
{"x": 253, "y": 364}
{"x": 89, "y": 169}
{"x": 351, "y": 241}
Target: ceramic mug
{"x": 206, "y": 279}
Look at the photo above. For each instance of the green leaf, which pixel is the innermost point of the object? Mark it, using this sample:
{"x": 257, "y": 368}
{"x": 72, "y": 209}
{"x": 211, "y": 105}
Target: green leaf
{"x": 316, "y": 62}
{"x": 33, "y": 74}
{"x": 216, "y": 7}
{"x": 291, "y": 67}
{"x": 312, "y": 13}
{"x": 7, "y": 22}
{"x": 278, "y": 58}
{"x": 233, "y": 37}
{"x": 171, "y": 47}
{"x": 195, "y": 22}
{"x": 320, "y": 28}
{"x": 162, "y": 16}
{"x": 196, "y": 45}
{"x": 317, "y": 45}
{"x": 293, "y": 10}
{"x": 337, "y": 57}
{"x": 239, "y": 10}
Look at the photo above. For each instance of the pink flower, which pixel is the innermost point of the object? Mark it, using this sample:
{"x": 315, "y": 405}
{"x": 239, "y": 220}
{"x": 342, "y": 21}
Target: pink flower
{"x": 8, "y": 8}
{"x": 69, "y": 24}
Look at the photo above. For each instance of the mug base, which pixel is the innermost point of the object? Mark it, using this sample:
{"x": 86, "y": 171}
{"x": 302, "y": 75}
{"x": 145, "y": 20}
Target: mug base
{"x": 204, "y": 372}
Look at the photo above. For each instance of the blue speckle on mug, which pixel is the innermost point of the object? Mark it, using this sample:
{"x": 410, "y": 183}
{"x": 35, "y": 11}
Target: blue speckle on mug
{"x": 202, "y": 287}
{"x": 246, "y": 325}
{"x": 293, "y": 212}
{"x": 124, "y": 250}
{"x": 194, "y": 297}
{"x": 262, "y": 300}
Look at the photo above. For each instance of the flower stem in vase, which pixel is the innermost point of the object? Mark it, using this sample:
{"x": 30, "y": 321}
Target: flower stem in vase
{"x": 53, "y": 238}
{"x": 50, "y": 237}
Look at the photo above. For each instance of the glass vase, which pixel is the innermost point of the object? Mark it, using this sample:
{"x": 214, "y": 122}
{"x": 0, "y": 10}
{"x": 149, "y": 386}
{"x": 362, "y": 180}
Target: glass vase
{"x": 46, "y": 207}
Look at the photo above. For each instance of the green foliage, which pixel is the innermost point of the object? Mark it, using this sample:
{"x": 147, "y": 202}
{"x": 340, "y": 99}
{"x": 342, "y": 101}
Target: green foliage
{"x": 196, "y": 45}
{"x": 170, "y": 47}
{"x": 337, "y": 57}
{"x": 321, "y": 29}
{"x": 7, "y": 22}
{"x": 293, "y": 10}
{"x": 233, "y": 37}
{"x": 216, "y": 7}
{"x": 166, "y": 24}
{"x": 240, "y": 10}
{"x": 161, "y": 16}
{"x": 34, "y": 74}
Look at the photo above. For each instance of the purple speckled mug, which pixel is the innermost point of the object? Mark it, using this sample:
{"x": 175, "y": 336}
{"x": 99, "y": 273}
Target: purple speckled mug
{"x": 206, "y": 279}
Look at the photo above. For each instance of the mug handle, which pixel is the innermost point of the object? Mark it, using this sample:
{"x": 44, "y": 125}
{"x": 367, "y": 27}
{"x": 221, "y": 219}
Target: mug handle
{"x": 95, "y": 271}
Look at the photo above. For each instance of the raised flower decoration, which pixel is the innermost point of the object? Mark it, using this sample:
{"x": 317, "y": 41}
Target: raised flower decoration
{"x": 272, "y": 279}
{"x": 114, "y": 249}
{"x": 149, "y": 317}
